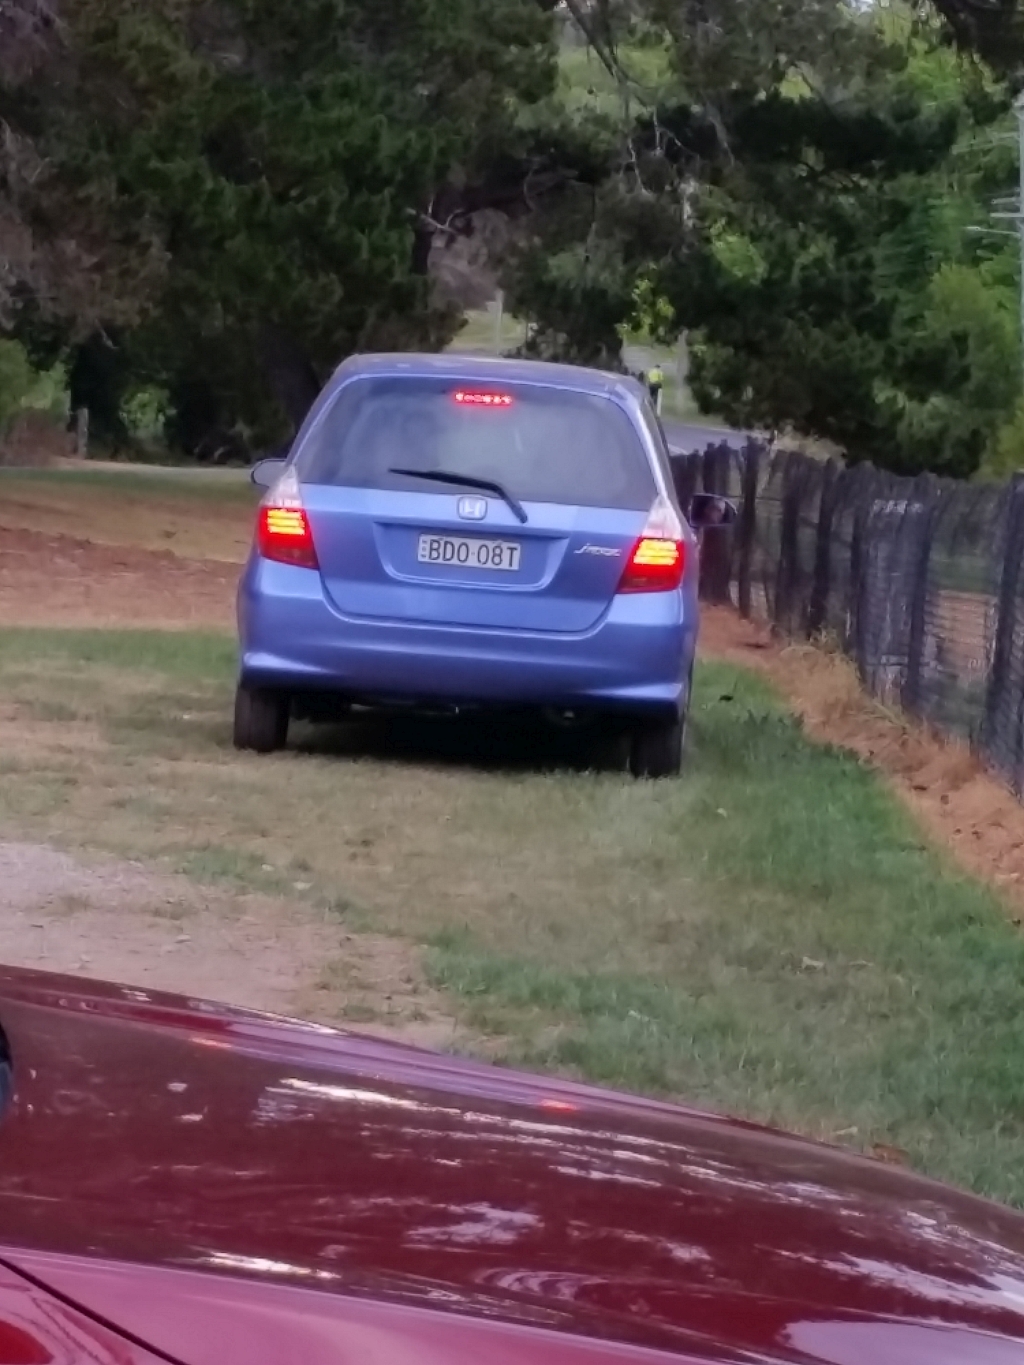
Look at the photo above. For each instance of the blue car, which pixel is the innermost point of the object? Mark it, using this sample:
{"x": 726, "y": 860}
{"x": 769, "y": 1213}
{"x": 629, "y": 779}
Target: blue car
{"x": 463, "y": 532}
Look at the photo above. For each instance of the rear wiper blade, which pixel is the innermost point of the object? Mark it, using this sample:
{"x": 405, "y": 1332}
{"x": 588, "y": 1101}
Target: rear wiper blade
{"x": 466, "y": 481}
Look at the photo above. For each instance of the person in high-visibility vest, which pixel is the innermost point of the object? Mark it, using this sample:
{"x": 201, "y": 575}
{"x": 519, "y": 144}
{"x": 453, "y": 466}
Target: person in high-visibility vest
{"x": 655, "y": 384}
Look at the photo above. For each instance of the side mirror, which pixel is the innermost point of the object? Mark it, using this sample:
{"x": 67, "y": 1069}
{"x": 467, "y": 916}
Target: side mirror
{"x": 709, "y": 511}
{"x": 265, "y": 473}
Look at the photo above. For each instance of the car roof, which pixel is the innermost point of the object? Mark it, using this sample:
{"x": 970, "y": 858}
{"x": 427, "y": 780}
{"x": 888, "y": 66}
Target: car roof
{"x": 488, "y": 369}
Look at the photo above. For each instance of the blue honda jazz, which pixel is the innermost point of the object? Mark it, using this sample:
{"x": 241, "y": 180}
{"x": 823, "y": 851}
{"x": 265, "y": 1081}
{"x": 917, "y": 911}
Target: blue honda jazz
{"x": 464, "y": 532}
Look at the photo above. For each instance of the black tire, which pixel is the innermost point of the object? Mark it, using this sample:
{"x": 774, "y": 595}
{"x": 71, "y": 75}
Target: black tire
{"x": 610, "y": 750}
{"x": 656, "y": 750}
{"x": 261, "y": 719}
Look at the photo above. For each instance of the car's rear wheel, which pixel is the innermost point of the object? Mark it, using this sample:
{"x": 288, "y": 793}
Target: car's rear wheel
{"x": 611, "y": 749}
{"x": 261, "y": 719}
{"x": 656, "y": 750}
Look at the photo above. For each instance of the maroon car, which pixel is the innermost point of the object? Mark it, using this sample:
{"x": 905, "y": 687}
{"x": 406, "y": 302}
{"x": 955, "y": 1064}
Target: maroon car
{"x": 188, "y": 1183}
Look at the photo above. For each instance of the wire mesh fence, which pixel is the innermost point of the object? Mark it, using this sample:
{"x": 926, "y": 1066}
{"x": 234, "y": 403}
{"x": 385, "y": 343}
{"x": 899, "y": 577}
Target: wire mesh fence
{"x": 921, "y": 581}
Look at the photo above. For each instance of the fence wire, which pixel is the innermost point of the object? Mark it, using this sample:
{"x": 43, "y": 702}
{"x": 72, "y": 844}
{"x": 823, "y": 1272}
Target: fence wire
{"x": 921, "y": 581}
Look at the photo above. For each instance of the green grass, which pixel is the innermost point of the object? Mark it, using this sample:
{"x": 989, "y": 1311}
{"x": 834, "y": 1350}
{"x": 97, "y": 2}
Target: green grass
{"x": 483, "y": 335}
{"x": 964, "y": 572}
{"x": 221, "y": 484}
{"x": 768, "y": 936}
{"x": 196, "y": 656}
{"x": 844, "y": 976}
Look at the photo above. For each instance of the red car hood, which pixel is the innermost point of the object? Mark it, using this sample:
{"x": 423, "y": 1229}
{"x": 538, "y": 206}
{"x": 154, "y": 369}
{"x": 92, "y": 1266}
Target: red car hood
{"x": 211, "y": 1153}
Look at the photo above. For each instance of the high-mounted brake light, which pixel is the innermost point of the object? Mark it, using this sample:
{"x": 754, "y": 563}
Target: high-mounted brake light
{"x": 467, "y": 398}
{"x": 658, "y": 560}
{"x": 283, "y": 532}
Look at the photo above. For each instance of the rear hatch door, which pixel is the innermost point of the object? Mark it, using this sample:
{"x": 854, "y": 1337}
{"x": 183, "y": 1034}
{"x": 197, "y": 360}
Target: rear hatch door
{"x": 511, "y": 508}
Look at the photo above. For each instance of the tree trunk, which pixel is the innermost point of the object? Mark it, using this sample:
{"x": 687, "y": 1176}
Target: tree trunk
{"x": 293, "y": 380}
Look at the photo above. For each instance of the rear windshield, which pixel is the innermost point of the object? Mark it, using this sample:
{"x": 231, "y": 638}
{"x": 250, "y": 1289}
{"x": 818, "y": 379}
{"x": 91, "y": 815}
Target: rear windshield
{"x": 540, "y": 444}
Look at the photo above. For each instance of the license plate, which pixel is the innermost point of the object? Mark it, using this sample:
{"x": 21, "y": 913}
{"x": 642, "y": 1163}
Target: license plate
{"x": 464, "y": 552}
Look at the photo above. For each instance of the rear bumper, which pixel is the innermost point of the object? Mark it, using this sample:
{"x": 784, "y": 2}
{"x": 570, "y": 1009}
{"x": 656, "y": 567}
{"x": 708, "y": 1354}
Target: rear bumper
{"x": 637, "y": 659}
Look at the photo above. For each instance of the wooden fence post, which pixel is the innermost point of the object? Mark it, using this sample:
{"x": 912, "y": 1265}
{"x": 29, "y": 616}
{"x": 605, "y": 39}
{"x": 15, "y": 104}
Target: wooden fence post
{"x": 1002, "y": 732}
{"x": 746, "y": 531}
{"x": 716, "y": 547}
{"x": 821, "y": 588}
{"x": 921, "y": 519}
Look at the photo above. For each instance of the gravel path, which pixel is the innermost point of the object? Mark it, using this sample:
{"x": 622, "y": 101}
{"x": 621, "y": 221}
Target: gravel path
{"x": 119, "y": 921}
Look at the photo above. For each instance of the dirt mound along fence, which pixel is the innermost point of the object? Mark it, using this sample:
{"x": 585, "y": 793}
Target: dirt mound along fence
{"x": 921, "y": 581}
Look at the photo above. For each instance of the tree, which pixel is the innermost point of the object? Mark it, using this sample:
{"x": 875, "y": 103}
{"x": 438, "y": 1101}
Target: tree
{"x": 222, "y": 198}
{"x": 16, "y": 381}
{"x": 991, "y": 29}
{"x": 868, "y": 319}
{"x": 792, "y": 198}
{"x": 291, "y": 162}
{"x": 64, "y": 255}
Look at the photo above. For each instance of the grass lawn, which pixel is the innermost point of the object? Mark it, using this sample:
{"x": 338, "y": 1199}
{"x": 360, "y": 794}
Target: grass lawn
{"x": 768, "y": 936}
{"x": 486, "y": 334}
{"x": 185, "y": 481}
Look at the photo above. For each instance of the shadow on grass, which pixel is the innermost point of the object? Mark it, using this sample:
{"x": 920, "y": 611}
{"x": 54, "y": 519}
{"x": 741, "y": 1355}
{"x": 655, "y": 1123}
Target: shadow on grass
{"x": 491, "y": 742}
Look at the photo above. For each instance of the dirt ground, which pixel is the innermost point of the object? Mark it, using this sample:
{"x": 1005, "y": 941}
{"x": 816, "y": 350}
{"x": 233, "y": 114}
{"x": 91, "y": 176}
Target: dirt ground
{"x": 122, "y": 922}
{"x": 56, "y": 580}
{"x": 210, "y": 518}
{"x": 965, "y": 623}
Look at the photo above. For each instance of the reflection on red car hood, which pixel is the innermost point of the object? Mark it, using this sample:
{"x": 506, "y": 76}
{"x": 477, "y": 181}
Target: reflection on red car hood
{"x": 179, "y": 1136}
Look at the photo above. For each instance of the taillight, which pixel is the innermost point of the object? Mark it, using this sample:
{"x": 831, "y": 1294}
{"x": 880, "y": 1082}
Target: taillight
{"x": 283, "y": 532}
{"x": 658, "y": 560}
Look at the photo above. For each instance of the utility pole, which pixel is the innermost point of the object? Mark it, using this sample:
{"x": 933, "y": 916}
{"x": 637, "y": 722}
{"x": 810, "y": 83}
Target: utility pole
{"x": 499, "y": 321}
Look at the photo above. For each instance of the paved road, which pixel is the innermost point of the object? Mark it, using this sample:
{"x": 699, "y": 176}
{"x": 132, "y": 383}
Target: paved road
{"x": 687, "y": 436}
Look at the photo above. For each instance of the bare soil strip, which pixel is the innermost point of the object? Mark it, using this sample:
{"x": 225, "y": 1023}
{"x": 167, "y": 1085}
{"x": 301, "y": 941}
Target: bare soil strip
{"x": 56, "y": 580}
